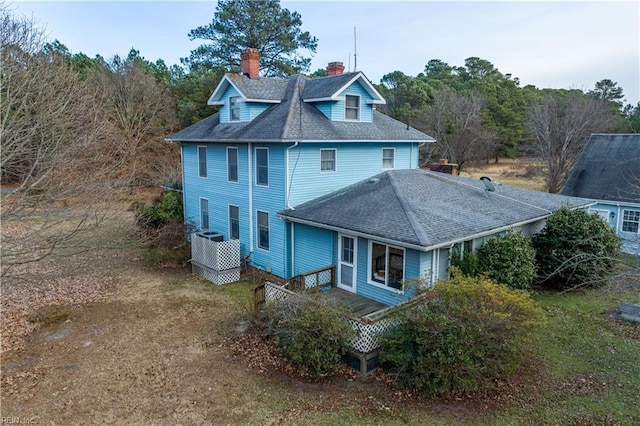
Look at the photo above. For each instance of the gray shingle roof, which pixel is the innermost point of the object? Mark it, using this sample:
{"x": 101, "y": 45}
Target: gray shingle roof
{"x": 422, "y": 208}
{"x": 263, "y": 88}
{"x": 324, "y": 87}
{"x": 294, "y": 120}
{"x": 608, "y": 169}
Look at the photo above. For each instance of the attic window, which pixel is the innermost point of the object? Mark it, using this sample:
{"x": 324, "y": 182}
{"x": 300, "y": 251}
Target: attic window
{"x": 234, "y": 108}
{"x": 352, "y": 107}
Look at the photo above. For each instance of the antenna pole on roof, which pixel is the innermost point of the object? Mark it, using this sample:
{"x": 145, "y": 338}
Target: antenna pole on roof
{"x": 355, "y": 50}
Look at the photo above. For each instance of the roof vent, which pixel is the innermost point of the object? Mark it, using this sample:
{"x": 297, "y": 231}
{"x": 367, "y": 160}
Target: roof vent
{"x": 488, "y": 185}
{"x": 374, "y": 180}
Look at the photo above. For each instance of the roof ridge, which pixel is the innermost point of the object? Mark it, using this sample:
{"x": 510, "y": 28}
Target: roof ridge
{"x": 296, "y": 96}
{"x": 443, "y": 178}
{"x": 423, "y": 238}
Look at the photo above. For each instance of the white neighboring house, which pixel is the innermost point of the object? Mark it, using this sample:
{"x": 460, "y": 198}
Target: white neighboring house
{"x": 608, "y": 171}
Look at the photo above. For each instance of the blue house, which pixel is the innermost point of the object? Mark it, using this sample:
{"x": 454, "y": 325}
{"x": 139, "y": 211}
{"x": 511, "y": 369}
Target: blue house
{"x": 608, "y": 170}
{"x": 277, "y": 143}
{"x": 307, "y": 174}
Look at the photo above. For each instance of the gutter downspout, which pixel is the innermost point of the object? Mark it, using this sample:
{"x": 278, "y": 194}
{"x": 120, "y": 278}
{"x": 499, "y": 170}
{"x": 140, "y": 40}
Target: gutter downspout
{"x": 288, "y": 206}
{"x": 288, "y": 180}
{"x": 250, "y": 161}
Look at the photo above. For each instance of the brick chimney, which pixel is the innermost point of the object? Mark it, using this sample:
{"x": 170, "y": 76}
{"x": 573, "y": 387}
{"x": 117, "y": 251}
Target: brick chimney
{"x": 335, "y": 68}
{"x": 251, "y": 63}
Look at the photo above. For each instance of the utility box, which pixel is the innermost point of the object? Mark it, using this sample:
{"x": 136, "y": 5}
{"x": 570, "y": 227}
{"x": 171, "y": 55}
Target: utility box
{"x": 215, "y": 259}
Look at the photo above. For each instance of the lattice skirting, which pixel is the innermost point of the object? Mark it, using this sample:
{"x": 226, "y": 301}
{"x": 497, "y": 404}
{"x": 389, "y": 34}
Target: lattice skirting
{"x": 216, "y": 277}
{"x": 275, "y": 293}
{"x": 366, "y": 339}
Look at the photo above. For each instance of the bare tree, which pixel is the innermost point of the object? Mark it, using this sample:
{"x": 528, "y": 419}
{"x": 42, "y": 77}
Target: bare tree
{"x": 560, "y": 124}
{"x": 454, "y": 119}
{"x": 140, "y": 113}
{"x": 49, "y": 125}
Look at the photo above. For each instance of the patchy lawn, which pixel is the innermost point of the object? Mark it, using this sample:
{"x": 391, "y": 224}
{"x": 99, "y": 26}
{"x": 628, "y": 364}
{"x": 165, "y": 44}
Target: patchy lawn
{"x": 108, "y": 339}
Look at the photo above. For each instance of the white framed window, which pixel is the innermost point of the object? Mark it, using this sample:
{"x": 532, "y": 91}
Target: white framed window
{"x": 631, "y": 221}
{"x": 386, "y": 265}
{"x": 232, "y": 164}
{"x": 263, "y": 230}
{"x": 262, "y": 166}
{"x": 202, "y": 161}
{"x": 327, "y": 160}
{"x": 234, "y": 222}
{"x": 234, "y": 108}
{"x": 204, "y": 213}
{"x": 352, "y": 107}
{"x": 388, "y": 158}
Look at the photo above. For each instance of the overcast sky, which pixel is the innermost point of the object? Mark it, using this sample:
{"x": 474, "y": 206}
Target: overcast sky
{"x": 546, "y": 43}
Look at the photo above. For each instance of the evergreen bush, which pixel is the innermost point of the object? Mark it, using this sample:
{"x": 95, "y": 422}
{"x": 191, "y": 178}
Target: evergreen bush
{"x": 508, "y": 259}
{"x": 575, "y": 249}
{"x": 312, "y": 332}
{"x": 464, "y": 334}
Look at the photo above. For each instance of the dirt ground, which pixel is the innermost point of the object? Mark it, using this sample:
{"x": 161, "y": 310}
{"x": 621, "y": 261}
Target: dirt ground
{"x": 516, "y": 172}
{"x": 117, "y": 341}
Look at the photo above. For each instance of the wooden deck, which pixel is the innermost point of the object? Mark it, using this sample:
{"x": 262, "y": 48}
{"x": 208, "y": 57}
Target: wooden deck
{"x": 360, "y": 306}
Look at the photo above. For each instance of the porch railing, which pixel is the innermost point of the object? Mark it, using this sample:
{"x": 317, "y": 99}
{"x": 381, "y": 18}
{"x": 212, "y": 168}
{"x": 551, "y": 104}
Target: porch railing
{"x": 368, "y": 328}
{"x": 316, "y": 280}
{"x": 312, "y": 280}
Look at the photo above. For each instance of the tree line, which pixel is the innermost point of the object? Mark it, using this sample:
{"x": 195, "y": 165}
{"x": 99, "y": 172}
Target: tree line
{"x": 474, "y": 111}
{"x": 72, "y": 125}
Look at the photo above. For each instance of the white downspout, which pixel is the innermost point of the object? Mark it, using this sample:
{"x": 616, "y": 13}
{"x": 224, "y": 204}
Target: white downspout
{"x": 250, "y": 160}
{"x": 293, "y": 247}
{"x": 287, "y": 183}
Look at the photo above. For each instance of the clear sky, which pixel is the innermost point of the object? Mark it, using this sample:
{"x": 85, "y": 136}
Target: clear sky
{"x": 555, "y": 44}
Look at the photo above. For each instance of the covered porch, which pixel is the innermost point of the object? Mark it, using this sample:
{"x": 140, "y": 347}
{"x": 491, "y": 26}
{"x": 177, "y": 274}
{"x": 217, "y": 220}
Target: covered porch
{"x": 319, "y": 280}
{"x": 368, "y": 317}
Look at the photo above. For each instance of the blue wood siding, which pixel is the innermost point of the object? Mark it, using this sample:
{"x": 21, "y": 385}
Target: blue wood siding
{"x": 382, "y": 295}
{"x": 314, "y": 248}
{"x": 366, "y": 109}
{"x": 334, "y": 110}
{"x": 354, "y": 162}
{"x": 325, "y": 108}
{"x": 272, "y": 200}
{"x": 248, "y": 110}
{"x": 255, "y": 109}
{"x": 216, "y": 189}
{"x": 615, "y": 215}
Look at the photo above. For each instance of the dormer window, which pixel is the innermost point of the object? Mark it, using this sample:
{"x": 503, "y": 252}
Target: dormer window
{"x": 234, "y": 108}
{"x": 352, "y": 107}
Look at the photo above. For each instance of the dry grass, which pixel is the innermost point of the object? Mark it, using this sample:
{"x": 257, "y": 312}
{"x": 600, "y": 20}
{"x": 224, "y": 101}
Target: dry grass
{"x": 519, "y": 173}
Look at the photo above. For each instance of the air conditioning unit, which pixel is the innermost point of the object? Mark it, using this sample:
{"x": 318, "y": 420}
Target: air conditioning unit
{"x": 212, "y": 235}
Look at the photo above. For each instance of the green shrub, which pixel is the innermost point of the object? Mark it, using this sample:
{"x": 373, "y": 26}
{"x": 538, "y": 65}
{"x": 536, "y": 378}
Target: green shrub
{"x": 467, "y": 264}
{"x": 161, "y": 229}
{"x": 311, "y": 332}
{"x": 464, "y": 334}
{"x": 574, "y": 249}
{"x": 508, "y": 259}
{"x": 167, "y": 209}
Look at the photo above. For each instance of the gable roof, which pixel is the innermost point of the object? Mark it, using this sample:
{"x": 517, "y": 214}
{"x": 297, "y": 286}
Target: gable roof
{"x": 607, "y": 169}
{"x": 293, "y": 120}
{"x": 426, "y": 210}
{"x": 329, "y": 88}
{"x": 268, "y": 90}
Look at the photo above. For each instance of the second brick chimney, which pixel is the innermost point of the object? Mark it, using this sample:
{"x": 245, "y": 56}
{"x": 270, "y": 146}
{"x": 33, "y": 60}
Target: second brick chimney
{"x": 251, "y": 63}
{"x": 335, "y": 68}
